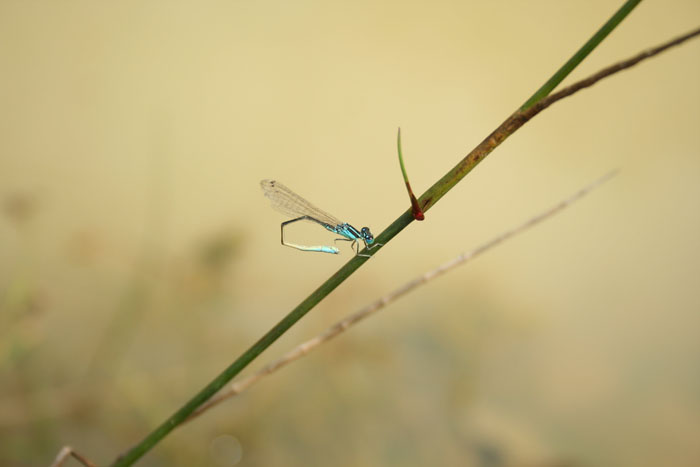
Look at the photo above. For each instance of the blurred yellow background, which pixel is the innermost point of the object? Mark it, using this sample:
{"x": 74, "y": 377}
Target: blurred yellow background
{"x": 138, "y": 256}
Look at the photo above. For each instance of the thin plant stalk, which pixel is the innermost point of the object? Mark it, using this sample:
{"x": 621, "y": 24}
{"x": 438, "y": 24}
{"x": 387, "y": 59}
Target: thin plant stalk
{"x": 67, "y": 452}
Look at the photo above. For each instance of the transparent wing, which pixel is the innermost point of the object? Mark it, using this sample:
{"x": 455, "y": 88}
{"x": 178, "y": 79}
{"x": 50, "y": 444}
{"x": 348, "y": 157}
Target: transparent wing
{"x": 291, "y": 204}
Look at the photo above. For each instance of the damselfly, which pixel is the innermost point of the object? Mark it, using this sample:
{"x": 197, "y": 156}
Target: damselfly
{"x": 289, "y": 203}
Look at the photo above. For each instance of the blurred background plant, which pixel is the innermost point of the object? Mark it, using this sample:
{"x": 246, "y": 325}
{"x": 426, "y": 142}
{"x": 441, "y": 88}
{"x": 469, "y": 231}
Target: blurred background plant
{"x": 138, "y": 257}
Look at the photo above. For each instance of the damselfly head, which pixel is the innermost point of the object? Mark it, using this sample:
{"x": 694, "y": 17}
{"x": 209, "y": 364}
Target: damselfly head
{"x": 367, "y": 235}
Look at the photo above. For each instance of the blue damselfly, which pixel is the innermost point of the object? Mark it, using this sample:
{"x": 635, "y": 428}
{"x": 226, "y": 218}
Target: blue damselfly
{"x": 289, "y": 203}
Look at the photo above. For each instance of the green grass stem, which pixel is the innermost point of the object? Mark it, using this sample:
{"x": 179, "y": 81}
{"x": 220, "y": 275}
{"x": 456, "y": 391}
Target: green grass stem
{"x": 535, "y": 105}
{"x": 582, "y": 53}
